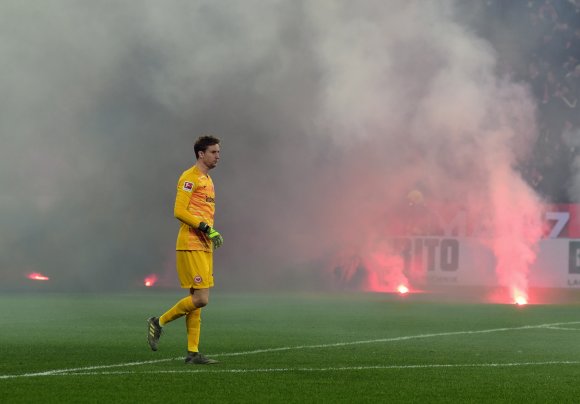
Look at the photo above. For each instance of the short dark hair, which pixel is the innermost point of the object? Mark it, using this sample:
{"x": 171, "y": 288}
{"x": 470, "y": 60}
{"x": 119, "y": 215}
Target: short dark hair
{"x": 203, "y": 142}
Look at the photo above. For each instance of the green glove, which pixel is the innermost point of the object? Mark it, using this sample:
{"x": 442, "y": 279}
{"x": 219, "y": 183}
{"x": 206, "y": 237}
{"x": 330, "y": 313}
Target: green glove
{"x": 216, "y": 239}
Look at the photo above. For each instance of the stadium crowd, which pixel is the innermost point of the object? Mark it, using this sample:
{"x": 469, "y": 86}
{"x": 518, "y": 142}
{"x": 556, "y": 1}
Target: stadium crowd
{"x": 538, "y": 42}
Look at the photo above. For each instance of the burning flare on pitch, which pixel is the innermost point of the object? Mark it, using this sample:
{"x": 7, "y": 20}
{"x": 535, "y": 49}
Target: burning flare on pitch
{"x": 37, "y": 276}
{"x": 403, "y": 290}
{"x": 150, "y": 280}
{"x": 521, "y": 300}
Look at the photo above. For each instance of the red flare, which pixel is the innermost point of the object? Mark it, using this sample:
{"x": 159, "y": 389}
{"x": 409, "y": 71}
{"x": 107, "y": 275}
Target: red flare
{"x": 519, "y": 296}
{"x": 37, "y": 277}
{"x": 402, "y": 289}
{"x": 150, "y": 280}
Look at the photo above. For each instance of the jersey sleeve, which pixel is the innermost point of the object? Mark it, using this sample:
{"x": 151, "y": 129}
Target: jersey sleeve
{"x": 185, "y": 189}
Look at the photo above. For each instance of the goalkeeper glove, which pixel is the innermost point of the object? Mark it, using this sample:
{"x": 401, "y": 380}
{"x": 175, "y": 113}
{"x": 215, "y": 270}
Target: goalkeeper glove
{"x": 216, "y": 239}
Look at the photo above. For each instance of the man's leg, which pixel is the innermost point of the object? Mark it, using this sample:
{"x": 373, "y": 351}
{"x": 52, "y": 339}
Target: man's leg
{"x": 193, "y": 325}
{"x": 200, "y": 298}
{"x": 183, "y": 307}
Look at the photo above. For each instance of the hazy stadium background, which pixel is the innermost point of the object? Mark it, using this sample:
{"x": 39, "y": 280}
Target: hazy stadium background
{"x": 330, "y": 112}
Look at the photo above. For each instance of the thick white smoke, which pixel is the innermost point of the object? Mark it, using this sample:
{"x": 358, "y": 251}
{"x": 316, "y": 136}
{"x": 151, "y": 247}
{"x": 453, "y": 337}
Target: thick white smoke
{"x": 415, "y": 96}
{"x": 329, "y": 112}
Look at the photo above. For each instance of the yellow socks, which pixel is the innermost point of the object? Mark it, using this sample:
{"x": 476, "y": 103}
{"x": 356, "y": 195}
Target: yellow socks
{"x": 183, "y": 307}
{"x": 193, "y": 324}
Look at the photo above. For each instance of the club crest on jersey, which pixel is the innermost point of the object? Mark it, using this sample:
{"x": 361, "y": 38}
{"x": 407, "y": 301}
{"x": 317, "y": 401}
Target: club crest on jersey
{"x": 188, "y": 186}
{"x": 197, "y": 279}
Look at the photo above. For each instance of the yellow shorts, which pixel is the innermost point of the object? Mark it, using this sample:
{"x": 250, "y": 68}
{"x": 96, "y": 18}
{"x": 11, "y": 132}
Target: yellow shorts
{"x": 195, "y": 269}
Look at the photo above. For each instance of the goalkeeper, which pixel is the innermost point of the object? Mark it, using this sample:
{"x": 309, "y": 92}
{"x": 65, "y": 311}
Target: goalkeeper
{"x": 196, "y": 240}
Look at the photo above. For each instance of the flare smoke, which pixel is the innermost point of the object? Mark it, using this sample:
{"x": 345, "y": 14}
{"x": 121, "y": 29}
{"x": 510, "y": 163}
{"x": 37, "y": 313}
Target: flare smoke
{"x": 329, "y": 113}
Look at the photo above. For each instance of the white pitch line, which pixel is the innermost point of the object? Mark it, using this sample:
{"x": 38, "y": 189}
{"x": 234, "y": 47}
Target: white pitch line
{"x": 59, "y": 371}
{"x": 393, "y": 339}
{"x": 562, "y": 328}
{"x": 288, "y": 348}
{"x": 330, "y": 369}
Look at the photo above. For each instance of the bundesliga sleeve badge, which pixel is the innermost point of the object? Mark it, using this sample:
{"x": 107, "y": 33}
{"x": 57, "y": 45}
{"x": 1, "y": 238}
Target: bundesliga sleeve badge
{"x": 188, "y": 186}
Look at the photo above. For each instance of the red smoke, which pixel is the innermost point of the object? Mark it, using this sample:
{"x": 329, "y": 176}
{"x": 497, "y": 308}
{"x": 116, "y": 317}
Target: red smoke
{"x": 516, "y": 229}
{"x": 150, "y": 280}
{"x": 385, "y": 271}
{"x": 403, "y": 289}
{"x": 37, "y": 276}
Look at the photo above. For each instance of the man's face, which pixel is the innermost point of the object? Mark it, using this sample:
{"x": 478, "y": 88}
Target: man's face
{"x": 211, "y": 156}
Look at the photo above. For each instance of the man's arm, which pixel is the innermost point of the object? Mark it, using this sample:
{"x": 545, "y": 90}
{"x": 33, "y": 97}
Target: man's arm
{"x": 184, "y": 190}
{"x": 215, "y": 237}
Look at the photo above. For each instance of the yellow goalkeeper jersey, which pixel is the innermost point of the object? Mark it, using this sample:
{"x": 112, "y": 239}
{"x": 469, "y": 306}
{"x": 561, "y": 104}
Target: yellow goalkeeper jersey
{"x": 194, "y": 203}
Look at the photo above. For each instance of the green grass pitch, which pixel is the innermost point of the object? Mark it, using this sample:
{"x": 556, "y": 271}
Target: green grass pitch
{"x": 288, "y": 348}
